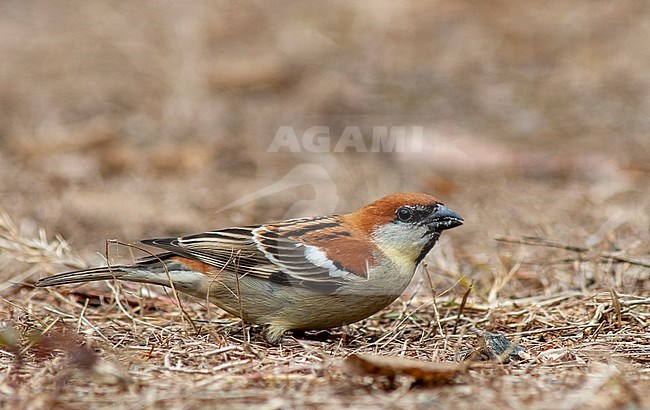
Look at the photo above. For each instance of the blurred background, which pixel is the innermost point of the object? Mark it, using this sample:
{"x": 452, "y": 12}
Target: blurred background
{"x": 124, "y": 119}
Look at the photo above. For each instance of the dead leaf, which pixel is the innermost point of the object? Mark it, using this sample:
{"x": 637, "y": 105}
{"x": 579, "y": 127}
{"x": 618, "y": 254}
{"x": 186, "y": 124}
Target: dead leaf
{"x": 422, "y": 372}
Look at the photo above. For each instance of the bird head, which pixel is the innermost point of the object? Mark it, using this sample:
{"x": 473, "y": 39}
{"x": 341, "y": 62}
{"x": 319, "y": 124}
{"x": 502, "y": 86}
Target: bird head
{"x": 405, "y": 226}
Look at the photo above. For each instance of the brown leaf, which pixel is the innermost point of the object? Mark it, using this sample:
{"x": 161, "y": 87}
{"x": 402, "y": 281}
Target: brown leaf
{"x": 390, "y": 367}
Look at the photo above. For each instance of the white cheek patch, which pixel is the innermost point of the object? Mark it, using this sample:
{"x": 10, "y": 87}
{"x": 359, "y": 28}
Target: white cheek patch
{"x": 318, "y": 258}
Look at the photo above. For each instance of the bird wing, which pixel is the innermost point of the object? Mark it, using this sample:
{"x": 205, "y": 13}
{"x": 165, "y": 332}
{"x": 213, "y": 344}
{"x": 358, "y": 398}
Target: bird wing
{"x": 303, "y": 251}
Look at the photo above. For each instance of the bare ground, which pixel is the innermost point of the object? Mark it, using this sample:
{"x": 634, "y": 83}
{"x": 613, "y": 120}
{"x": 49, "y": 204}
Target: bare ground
{"x": 130, "y": 120}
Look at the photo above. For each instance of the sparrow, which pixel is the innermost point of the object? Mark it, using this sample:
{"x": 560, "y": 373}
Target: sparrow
{"x": 298, "y": 274}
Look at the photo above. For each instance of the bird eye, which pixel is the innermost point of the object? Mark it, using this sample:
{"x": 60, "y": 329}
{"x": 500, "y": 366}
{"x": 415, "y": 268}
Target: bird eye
{"x": 404, "y": 214}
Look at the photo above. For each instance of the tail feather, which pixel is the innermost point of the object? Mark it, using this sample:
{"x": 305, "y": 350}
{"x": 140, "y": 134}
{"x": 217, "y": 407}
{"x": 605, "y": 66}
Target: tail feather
{"x": 155, "y": 270}
{"x": 84, "y": 275}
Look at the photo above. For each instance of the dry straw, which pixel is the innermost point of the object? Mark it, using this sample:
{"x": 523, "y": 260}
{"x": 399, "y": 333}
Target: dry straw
{"x": 106, "y": 345}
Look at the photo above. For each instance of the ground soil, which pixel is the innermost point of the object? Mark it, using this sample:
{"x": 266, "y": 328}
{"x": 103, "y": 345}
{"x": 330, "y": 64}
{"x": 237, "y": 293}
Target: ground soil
{"x": 128, "y": 120}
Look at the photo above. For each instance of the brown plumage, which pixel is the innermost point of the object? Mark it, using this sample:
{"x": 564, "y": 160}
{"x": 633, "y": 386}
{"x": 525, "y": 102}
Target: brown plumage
{"x": 305, "y": 273}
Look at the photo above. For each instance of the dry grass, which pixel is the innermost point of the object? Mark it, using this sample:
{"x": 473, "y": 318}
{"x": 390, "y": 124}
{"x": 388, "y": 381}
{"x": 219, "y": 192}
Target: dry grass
{"x": 129, "y": 120}
{"x": 70, "y": 347}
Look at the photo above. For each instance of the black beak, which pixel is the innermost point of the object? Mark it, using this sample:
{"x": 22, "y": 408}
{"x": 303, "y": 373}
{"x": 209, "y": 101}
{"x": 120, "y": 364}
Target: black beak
{"x": 444, "y": 218}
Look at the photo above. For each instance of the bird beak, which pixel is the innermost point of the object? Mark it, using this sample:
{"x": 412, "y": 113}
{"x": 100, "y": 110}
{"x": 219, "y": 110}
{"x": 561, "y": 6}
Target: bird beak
{"x": 444, "y": 218}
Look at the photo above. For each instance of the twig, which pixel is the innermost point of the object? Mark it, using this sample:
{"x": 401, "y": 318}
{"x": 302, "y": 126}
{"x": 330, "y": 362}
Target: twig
{"x": 239, "y": 302}
{"x": 169, "y": 278}
{"x": 537, "y": 241}
{"x": 502, "y": 280}
{"x": 462, "y": 305}
{"x": 436, "y": 315}
{"x": 34, "y": 341}
{"x": 81, "y": 315}
{"x": 617, "y": 307}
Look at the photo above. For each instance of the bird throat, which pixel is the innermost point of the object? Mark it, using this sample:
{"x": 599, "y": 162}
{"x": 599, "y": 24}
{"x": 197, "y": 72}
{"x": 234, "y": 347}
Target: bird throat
{"x": 427, "y": 247}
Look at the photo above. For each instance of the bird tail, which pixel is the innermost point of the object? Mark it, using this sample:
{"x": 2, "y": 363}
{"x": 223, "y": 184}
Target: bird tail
{"x": 84, "y": 275}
